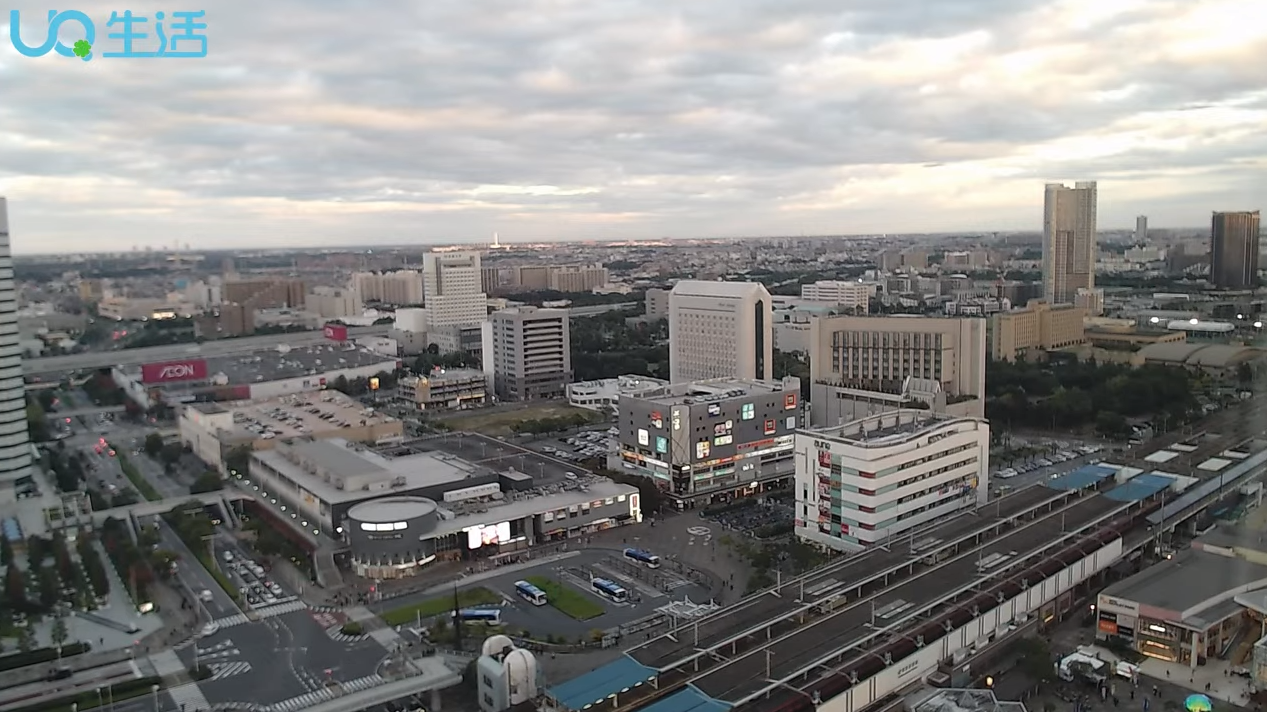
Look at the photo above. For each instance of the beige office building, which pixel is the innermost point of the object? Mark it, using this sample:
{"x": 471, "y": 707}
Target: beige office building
{"x": 577, "y": 278}
{"x": 402, "y": 288}
{"x": 880, "y": 353}
{"x": 532, "y": 353}
{"x": 720, "y": 330}
{"x": 657, "y": 303}
{"x": 1069, "y": 241}
{"x": 530, "y": 278}
{"x": 1038, "y": 326}
{"x": 452, "y": 288}
{"x": 333, "y": 303}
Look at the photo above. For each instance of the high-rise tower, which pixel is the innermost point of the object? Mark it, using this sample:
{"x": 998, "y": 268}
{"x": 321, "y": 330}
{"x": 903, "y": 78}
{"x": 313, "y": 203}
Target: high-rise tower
{"x": 1234, "y": 250}
{"x": 1069, "y": 241}
{"x": 15, "y": 446}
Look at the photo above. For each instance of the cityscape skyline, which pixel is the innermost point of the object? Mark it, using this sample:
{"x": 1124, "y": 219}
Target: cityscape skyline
{"x": 813, "y": 121}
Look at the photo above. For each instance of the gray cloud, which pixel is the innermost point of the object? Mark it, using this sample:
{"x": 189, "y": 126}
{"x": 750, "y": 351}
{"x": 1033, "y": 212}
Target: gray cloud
{"x": 557, "y": 118}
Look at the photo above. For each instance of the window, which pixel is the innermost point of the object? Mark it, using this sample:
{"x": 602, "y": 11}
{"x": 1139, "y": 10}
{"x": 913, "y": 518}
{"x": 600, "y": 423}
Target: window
{"x": 748, "y": 411}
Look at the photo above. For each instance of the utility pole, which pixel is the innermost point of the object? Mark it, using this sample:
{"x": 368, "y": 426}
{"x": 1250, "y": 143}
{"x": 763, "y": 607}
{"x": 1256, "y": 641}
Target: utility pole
{"x": 457, "y": 619}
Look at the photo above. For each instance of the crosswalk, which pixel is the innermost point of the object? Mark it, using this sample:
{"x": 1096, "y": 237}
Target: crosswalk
{"x": 230, "y": 621}
{"x": 189, "y": 697}
{"x": 327, "y": 693}
{"x": 269, "y": 612}
{"x": 223, "y": 649}
{"x": 336, "y": 634}
{"x": 222, "y": 670}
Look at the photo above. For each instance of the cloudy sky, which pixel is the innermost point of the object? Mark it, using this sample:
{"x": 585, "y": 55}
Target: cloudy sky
{"x": 315, "y": 122}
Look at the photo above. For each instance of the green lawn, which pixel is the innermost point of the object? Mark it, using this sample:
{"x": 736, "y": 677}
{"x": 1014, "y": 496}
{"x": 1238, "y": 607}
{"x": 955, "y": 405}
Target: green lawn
{"x": 134, "y": 476}
{"x": 570, "y": 601}
{"x": 440, "y": 604}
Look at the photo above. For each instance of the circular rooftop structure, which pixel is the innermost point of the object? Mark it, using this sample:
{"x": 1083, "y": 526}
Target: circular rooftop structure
{"x": 392, "y": 509}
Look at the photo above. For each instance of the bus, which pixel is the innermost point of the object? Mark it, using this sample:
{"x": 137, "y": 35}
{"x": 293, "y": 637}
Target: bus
{"x": 610, "y": 590}
{"x": 644, "y": 557}
{"x": 530, "y": 593}
{"x": 488, "y": 616}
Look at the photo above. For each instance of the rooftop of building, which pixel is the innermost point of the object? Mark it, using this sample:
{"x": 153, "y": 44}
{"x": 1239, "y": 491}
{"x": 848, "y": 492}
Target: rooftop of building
{"x": 624, "y": 384}
{"x": 960, "y": 700}
{"x": 1200, "y": 354}
{"x": 392, "y": 473}
{"x": 295, "y": 415}
{"x": 448, "y": 374}
{"x": 701, "y": 288}
{"x": 888, "y": 428}
{"x": 285, "y": 362}
{"x": 717, "y": 389}
{"x": 1190, "y": 584}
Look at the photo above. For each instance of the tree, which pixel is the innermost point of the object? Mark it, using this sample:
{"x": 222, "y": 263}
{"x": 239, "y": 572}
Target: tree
{"x": 59, "y": 634}
{"x": 6, "y": 551}
{"x": 208, "y": 481}
{"x": 14, "y": 587}
{"x": 170, "y": 453}
{"x": 238, "y": 461}
{"x": 153, "y": 444}
{"x": 26, "y": 640}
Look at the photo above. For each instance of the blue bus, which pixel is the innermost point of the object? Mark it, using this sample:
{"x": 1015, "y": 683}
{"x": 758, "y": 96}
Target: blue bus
{"x": 610, "y": 590}
{"x": 644, "y": 557}
{"x": 488, "y": 616}
{"x": 530, "y": 593}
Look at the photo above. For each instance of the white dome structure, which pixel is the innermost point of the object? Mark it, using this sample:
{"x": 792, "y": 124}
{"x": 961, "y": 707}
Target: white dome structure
{"x": 521, "y": 673}
{"x": 495, "y": 645}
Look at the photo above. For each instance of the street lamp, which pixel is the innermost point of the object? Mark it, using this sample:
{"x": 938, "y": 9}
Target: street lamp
{"x": 99, "y": 702}
{"x": 154, "y": 693}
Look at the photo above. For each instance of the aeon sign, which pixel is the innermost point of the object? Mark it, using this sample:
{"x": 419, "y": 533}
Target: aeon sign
{"x": 192, "y": 370}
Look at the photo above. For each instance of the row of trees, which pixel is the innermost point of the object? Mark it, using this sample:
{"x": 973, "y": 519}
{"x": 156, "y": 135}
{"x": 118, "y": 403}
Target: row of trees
{"x": 546, "y": 426}
{"x": 132, "y": 565}
{"x": 1072, "y": 394}
{"x": 357, "y": 387}
{"x": 606, "y": 346}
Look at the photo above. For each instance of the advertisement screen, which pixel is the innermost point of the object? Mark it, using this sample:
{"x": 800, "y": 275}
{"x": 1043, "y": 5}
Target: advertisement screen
{"x": 661, "y": 445}
{"x": 702, "y": 449}
{"x": 748, "y": 412}
{"x": 643, "y": 437}
{"x": 487, "y": 535}
{"x": 335, "y": 332}
{"x": 170, "y": 371}
{"x": 714, "y": 409}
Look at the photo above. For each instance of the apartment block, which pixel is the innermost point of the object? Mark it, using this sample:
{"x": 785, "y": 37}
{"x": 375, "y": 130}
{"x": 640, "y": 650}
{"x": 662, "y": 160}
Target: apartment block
{"x": 333, "y": 302}
{"x": 532, "y": 356}
{"x": 577, "y": 278}
{"x": 1069, "y": 240}
{"x": 1234, "y": 239}
{"x": 530, "y": 278}
{"x": 444, "y": 389}
{"x": 720, "y": 330}
{"x": 873, "y": 480}
{"x": 402, "y": 287}
{"x": 879, "y": 353}
{"x": 851, "y": 295}
{"x": 266, "y": 293}
{"x": 657, "y": 304}
{"x": 1037, "y": 327}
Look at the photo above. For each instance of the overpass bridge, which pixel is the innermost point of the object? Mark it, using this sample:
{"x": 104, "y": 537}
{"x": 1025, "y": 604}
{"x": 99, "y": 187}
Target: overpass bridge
{"x": 51, "y": 365}
{"x": 86, "y": 411}
{"x": 163, "y": 506}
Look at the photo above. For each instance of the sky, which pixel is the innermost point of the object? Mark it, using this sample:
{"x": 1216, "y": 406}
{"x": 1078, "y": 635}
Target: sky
{"x": 323, "y": 123}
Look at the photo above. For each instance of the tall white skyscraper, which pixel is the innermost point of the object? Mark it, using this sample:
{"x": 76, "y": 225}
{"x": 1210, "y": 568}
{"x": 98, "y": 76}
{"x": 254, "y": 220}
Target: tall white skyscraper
{"x": 452, "y": 287}
{"x": 1069, "y": 241}
{"x": 15, "y": 445}
{"x": 720, "y": 330}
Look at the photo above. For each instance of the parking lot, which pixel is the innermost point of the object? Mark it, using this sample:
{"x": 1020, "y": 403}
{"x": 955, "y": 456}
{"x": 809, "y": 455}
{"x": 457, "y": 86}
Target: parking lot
{"x": 584, "y": 445}
{"x": 251, "y": 577}
{"x": 1067, "y": 457}
{"x": 498, "y": 455}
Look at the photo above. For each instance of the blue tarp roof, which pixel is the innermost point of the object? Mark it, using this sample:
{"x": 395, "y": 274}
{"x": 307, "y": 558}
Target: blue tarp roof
{"x": 1081, "y": 478}
{"x": 601, "y": 683}
{"x": 1140, "y": 487}
{"x": 1230, "y": 477}
{"x": 689, "y": 699}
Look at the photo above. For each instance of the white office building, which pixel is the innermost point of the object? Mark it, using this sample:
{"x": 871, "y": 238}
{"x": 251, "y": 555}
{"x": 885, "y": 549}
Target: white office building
{"x": 851, "y": 295}
{"x": 864, "y": 481}
{"x": 720, "y": 330}
{"x": 452, "y": 285}
{"x": 15, "y": 446}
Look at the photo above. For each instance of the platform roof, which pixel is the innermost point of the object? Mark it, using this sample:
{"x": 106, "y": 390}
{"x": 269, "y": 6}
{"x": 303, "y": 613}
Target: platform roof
{"x": 1140, "y": 488}
{"x": 1231, "y": 477}
{"x": 1081, "y": 478}
{"x": 593, "y": 687}
{"x": 690, "y": 699}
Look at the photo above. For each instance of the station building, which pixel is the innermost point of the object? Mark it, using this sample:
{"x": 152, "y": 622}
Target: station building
{"x": 864, "y": 481}
{"x": 213, "y": 430}
{"x": 711, "y": 441}
{"x": 402, "y": 507}
{"x": 267, "y": 373}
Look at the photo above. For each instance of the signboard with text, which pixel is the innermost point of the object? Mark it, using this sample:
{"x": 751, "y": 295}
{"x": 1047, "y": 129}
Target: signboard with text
{"x": 171, "y": 371}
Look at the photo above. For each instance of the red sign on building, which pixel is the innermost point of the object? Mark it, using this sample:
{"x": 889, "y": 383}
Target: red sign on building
{"x": 335, "y": 332}
{"x": 170, "y": 371}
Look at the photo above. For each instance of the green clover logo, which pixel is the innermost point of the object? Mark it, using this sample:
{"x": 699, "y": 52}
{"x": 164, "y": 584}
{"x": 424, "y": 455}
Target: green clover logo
{"x": 82, "y": 49}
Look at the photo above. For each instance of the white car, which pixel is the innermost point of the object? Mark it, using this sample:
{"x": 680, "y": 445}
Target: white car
{"x": 209, "y": 629}
{"x": 205, "y": 594}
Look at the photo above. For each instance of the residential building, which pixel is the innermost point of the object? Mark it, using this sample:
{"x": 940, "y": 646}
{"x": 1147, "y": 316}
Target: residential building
{"x": 490, "y": 279}
{"x": 1038, "y": 327}
{"x": 532, "y": 353}
{"x": 1234, "y": 249}
{"x": 878, "y": 353}
{"x": 530, "y": 278}
{"x": 720, "y": 330}
{"x": 261, "y": 293}
{"x": 851, "y": 295}
{"x": 1069, "y": 241}
{"x": 657, "y": 304}
{"x": 444, "y": 389}
{"x": 452, "y": 283}
{"x": 1141, "y": 229}
{"x": 604, "y": 394}
{"x": 402, "y": 287}
{"x": 875, "y": 479}
{"x": 15, "y": 445}
{"x": 912, "y": 259}
{"x": 711, "y": 441}
{"x": 91, "y": 290}
{"x": 334, "y": 303}
{"x": 1090, "y": 301}
{"x": 577, "y": 278}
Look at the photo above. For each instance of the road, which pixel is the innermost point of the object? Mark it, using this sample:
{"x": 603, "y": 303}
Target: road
{"x": 134, "y": 357}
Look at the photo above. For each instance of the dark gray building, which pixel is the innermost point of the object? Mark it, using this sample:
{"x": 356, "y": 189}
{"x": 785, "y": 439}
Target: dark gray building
{"x": 532, "y": 353}
{"x": 712, "y": 441}
{"x": 1234, "y": 250}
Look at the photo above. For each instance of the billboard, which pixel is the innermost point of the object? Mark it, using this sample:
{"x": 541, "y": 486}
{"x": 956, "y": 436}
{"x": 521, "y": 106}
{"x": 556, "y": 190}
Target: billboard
{"x": 335, "y": 332}
{"x": 170, "y": 371}
{"x": 487, "y": 535}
